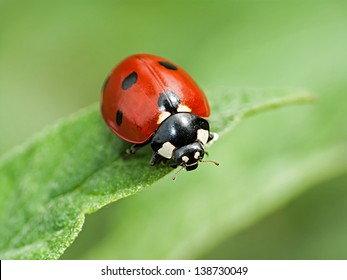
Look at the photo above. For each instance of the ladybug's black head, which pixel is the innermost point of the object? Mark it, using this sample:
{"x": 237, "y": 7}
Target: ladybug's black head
{"x": 189, "y": 156}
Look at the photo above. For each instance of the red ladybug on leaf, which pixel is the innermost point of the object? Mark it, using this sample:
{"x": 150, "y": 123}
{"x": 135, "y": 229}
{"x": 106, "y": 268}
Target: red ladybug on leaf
{"x": 148, "y": 99}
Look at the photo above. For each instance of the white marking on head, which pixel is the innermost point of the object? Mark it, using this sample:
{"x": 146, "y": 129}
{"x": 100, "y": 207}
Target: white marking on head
{"x": 163, "y": 115}
{"x": 166, "y": 150}
{"x": 185, "y": 158}
{"x": 196, "y": 155}
{"x": 183, "y": 108}
{"x": 203, "y": 135}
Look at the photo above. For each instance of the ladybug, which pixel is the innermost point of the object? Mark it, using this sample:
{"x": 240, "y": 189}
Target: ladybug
{"x": 148, "y": 99}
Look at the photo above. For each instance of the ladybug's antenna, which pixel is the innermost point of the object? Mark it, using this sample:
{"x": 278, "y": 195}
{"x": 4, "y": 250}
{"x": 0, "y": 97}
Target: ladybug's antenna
{"x": 178, "y": 171}
{"x": 212, "y": 161}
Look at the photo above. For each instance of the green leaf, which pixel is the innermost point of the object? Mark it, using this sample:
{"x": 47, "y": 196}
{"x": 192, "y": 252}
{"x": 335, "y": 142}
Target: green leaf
{"x": 77, "y": 166}
{"x": 303, "y": 229}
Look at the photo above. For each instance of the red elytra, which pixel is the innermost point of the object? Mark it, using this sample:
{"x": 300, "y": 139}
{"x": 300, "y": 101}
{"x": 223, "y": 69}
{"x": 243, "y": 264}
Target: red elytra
{"x": 131, "y": 92}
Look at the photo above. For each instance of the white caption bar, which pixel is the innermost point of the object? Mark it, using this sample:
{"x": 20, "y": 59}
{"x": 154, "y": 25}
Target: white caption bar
{"x": 93, "y": 270}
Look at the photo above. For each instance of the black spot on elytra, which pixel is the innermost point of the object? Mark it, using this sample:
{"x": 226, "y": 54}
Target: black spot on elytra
{"x": 129, "y": 80}
{"x": 105, "y": 84}
{"x": 169, "y": 101}
{"x": 119, "y": 117}
{"x": 167, "y": 65}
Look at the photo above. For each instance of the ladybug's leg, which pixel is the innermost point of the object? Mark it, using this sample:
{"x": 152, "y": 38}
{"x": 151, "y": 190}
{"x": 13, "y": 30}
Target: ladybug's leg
{"x": 135, "y": 147}
{"x": 156, "y": 159}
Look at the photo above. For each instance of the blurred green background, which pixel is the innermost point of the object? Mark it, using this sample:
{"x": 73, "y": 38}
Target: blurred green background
{"x": 55, "y": 55}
